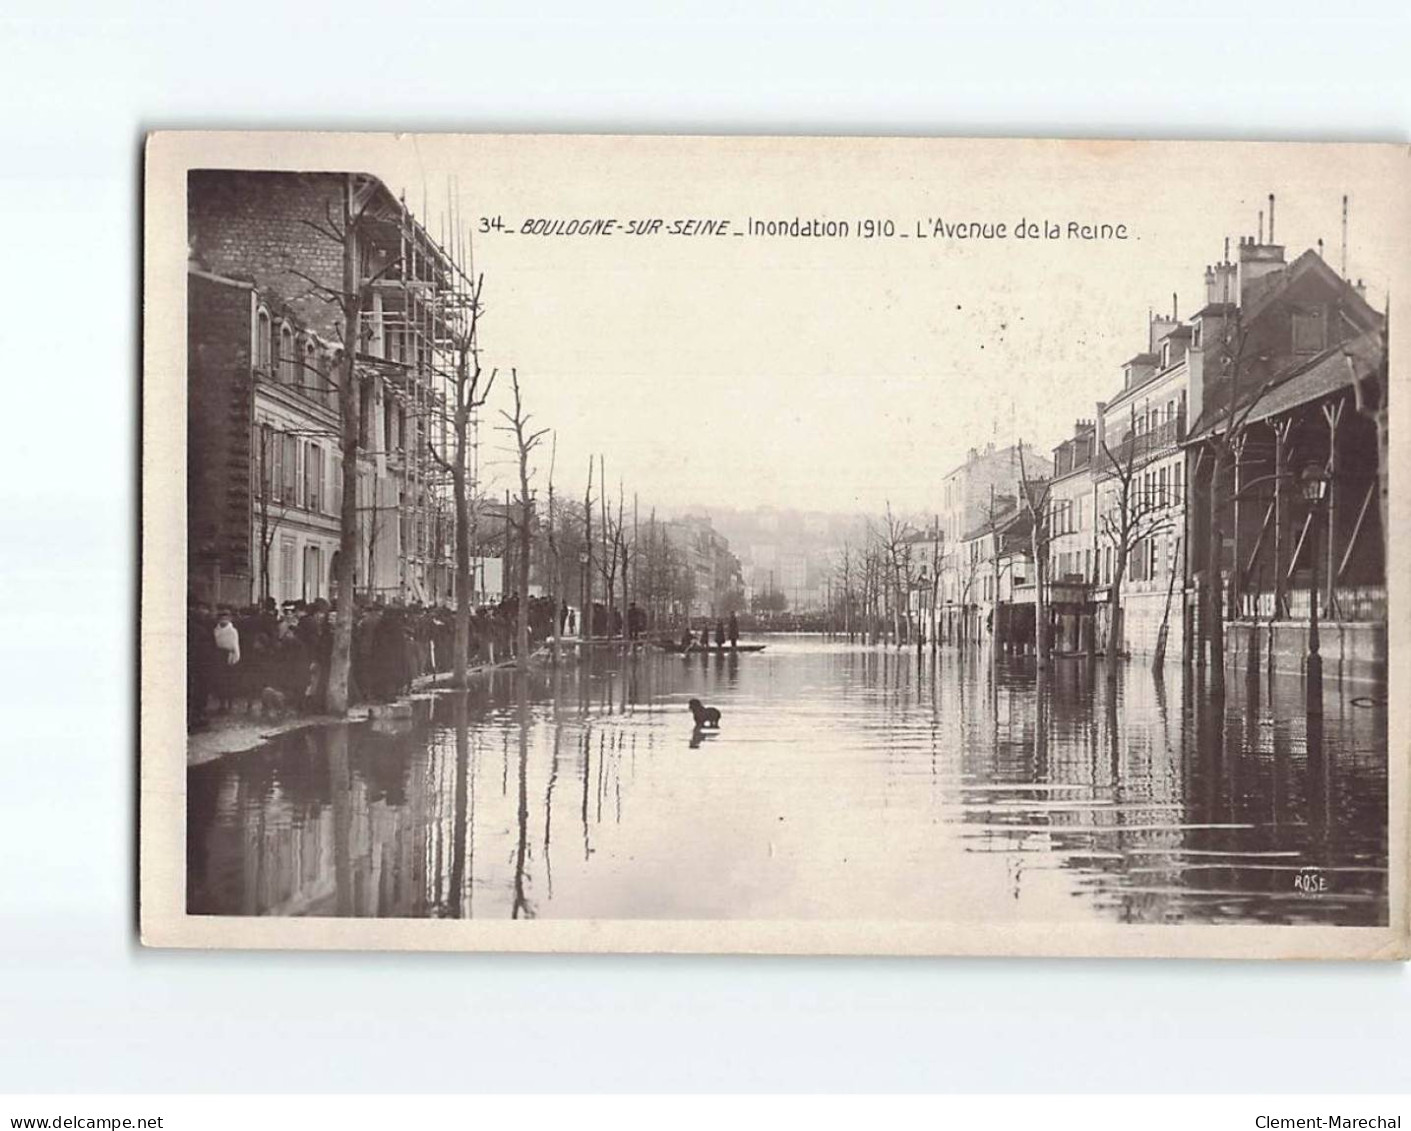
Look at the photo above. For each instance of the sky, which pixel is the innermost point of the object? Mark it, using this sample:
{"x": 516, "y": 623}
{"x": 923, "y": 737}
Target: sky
{"x": 841, "y": 374}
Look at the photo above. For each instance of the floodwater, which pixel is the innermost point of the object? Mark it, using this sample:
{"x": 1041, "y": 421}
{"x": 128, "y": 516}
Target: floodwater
{"x": 844, "y": 783}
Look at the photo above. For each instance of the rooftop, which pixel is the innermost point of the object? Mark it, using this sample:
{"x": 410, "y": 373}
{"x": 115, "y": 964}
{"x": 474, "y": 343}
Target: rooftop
{"x": 1310, "y": 380}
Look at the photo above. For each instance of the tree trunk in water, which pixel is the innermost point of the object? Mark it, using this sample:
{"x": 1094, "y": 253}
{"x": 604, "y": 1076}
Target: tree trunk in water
{"x": 1114, "y": 608}
{"x": 1214, "y": 596}
{"x": 1040, "y": 603}
{"x": 525, "y": 510}
{"x": 462, "y": 640}
{"x": 341, "y": 661}
{"x": 1158, "y": 659}
{"x": 626, "y": 599}
{"x": 585, "y": 616}
{"x": 524, "y": 598}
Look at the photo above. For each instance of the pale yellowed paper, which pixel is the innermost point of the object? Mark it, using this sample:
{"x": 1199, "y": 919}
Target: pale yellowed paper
{"x": 1135, "y": 184}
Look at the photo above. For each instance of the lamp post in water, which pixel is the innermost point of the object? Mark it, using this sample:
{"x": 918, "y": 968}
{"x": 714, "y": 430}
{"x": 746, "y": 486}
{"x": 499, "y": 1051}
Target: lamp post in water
{"x": 1314, "y": 482}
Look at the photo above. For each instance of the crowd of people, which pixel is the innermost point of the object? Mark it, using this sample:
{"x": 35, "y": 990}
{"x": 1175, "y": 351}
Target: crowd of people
{"x": 275, "y": 655}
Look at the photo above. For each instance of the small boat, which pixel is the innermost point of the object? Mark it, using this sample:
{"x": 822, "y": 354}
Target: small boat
{"x": 695, "y": 649}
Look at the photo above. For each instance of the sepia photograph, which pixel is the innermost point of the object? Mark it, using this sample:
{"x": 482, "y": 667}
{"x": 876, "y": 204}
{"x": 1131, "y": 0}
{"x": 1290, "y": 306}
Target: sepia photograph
{"x": 812, "y": 545}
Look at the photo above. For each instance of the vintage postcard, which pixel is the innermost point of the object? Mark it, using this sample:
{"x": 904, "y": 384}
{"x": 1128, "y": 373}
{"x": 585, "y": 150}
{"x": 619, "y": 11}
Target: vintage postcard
{"x": 745, "y": 544}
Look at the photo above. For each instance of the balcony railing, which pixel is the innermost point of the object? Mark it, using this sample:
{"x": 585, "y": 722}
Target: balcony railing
{"x": 1137, "y": 449}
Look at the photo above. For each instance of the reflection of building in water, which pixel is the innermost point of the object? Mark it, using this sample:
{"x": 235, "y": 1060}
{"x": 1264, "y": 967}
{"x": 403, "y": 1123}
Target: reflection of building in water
{"x": 1095, "y": 787}
{"x": 1153, "y": 806}
{"x": 359, "y": 851}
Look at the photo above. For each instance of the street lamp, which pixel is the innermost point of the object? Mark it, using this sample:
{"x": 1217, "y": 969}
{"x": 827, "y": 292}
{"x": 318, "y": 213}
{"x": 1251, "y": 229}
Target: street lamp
{"x": 1314, "y": 482}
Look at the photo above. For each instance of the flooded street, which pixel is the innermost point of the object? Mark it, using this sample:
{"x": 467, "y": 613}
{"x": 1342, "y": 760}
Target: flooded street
{"x": 844, "y": 783}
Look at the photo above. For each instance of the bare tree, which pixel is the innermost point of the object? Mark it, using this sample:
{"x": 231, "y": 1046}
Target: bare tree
{"x": 586, "y": 626}
{"x": 1224, "y": 439}
{"x": 555, "y": 565}
{"x": 349, "y": 299}
{"x": 613, "y": 549}
{"x": 463, "y": 328}
{"x": 969, "y": 575}
{"x": 845, "y": 575}
{"x": 937, "y": 560}
{"x": 1135, "y": 512}
{"x": 525, "y": 441}
{"x": 900, "y": 572}
{"x": 1036, "y": 495}
{"x": 1158, "y": 656}
{"x": 270, "y": 520}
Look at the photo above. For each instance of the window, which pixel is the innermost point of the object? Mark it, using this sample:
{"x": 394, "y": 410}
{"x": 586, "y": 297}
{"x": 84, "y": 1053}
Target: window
{"x": 333, "y": 374}
{"x": 291, "y": 470}
{"x": 274, "y": 453}
{"x": 287, "y": 585}
{"x": 313, "y": 478}
{"x": 263, "y": 461}
{"x": 311, "y": 378}
{"x": 313, "y": 574}
{"x": 1195, "y": 335}
{"x": 337, "y": 491}
{"x": 1165, "y": 354}
{"x": 286, "y": 355}
{"x": 262, "y": 342}
{"x": 1309, "y": 332}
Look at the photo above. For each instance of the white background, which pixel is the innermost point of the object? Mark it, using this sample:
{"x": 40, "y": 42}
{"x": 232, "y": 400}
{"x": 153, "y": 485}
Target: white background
{"x": 82, "y": 1007}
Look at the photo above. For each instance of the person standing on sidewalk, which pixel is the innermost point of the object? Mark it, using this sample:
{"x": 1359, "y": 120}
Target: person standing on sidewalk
{"x": 227, "y": 641}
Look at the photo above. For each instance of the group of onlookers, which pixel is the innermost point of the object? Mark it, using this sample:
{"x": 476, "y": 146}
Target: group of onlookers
{"x": 279, "y": 655}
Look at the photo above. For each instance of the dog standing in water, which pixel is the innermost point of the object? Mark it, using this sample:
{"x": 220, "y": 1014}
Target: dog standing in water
{"x": 704, "y": 716}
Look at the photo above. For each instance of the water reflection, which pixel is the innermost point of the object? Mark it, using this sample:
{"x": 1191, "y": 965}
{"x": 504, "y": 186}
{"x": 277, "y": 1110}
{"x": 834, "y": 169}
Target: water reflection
{"x": 843, "y": 783}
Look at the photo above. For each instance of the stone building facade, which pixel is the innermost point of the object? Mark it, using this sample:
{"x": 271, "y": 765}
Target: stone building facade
{"x": 265, "y": 349}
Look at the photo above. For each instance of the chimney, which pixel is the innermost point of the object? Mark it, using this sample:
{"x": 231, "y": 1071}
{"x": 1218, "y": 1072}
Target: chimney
{"x": 1160, "y": 329}
{"x": 1271, "y": 217}
{"x": 1261, "y": 225}
{"x": 1219, "y": 283}
{"x": 1256, "y": 261}
{"x": 1175, "y": 317}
